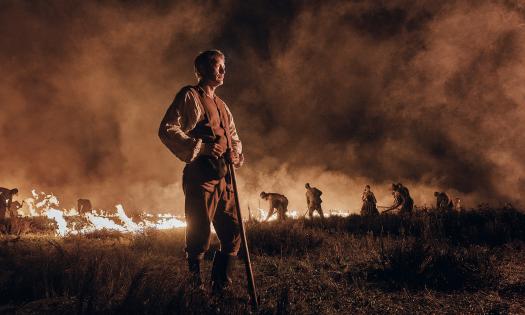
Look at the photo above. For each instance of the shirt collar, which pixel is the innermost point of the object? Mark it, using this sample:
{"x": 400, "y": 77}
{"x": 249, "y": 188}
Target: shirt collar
{"x": 202, "y": 92}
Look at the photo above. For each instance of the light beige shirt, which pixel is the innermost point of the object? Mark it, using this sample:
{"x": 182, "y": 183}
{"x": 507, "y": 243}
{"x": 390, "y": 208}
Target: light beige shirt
{"x": 182, "y": 116}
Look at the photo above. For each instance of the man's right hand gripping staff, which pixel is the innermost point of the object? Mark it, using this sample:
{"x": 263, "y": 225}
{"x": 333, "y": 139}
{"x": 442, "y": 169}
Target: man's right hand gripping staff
{"x": 211, "y": 149}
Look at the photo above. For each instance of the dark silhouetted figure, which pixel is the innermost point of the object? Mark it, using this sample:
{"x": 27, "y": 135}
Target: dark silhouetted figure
{"x": 457, "y": 204}
{"x": 369, "y": 207}
{"x": 443, "y": 201}
{"x": 313, "y": 200}
{"x": 277, "y": 202}
{"x": 13, "y": 209}
{"x": 403, "y": 203}
{"x": 6, "y": 198}
{"x": 198, "y": 128}
{"x": 84, "y": 206}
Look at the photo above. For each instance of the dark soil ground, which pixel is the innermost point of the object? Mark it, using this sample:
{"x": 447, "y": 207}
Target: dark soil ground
{"x": 468, "y": 262}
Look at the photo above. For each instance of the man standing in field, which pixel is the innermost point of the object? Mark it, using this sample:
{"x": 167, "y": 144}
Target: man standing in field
{"x": 6, "y": 198}
{"x": 369, "y": 207}
{"x": 198, "y": 128}
{"x": 313, "y": 200}
{"x": 277, "y": 203}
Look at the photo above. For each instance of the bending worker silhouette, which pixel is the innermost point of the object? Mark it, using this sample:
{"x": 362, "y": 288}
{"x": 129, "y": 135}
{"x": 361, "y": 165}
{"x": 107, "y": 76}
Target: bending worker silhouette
{"x": 313, "y": 200}
{"x": 403, "y": 203}
{"x": 277, "y": 202}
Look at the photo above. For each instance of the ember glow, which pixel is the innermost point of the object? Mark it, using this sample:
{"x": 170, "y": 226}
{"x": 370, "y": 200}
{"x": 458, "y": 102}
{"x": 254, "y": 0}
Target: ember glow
{"x": 292, "y": 214}
{"x": 338, "y": 213}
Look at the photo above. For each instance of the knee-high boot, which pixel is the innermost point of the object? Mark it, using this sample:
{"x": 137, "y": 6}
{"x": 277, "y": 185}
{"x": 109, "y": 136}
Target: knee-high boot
{"x": 220, "y": 271}
{"x": 194, "y": 266}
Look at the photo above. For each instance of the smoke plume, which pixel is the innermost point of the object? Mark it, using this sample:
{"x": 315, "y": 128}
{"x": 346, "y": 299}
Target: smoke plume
{"x": 336, "y": 93}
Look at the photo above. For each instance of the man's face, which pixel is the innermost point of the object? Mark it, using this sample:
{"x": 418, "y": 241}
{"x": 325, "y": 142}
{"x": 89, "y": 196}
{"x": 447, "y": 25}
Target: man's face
{"x": 215, "y": 75}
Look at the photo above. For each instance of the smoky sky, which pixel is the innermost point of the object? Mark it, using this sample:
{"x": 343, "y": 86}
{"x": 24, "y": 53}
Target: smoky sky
{"x": 336, "y": 93}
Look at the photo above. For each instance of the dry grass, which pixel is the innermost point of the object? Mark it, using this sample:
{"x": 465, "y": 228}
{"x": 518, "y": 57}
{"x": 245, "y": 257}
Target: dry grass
{"x": 468, "y": 262}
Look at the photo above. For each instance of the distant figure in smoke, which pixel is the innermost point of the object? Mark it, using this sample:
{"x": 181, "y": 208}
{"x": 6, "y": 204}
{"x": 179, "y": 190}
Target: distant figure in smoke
{"x": 313, "y": 200}
{"x": 457, "y": 204}
{"x": 6, "y": 198}
{"x": 13, "y": 209}
{"x": 198, "y": 128}
{"x": 406, "y": 194}
{"x": 403, "y": 203}
{"x": 443, "y": 201}
{"x": 84, "y": 206}
{"x": 369, "y": 207}
{"x": 277, "y": 203}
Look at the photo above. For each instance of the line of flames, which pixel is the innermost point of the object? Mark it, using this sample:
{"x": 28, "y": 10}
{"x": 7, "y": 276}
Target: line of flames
{"x": 294, "y": 214}
{"x": 42, "y": 204}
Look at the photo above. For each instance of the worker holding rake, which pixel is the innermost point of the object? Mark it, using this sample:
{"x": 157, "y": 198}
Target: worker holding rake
{"x": 199, "y": 129}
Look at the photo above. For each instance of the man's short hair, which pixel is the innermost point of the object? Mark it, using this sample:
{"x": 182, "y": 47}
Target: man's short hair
{"x": 204, "y": 60}
{"x": 307, "y": 185}
{"x": 14, "y": 191}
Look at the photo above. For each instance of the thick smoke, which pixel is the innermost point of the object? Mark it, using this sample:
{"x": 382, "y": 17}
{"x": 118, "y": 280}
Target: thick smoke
{"x": 337, "y": 93}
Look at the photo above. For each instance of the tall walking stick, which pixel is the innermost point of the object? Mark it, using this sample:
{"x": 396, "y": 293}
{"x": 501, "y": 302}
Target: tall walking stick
{"x": 244, "y": 243}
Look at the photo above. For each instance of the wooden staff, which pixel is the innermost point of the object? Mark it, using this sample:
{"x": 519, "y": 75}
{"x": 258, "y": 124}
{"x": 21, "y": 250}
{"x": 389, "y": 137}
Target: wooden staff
{"x": 247, "y": 263}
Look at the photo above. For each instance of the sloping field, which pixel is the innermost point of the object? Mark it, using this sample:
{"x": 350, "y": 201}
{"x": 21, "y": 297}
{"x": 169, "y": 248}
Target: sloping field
{"x": 468, "y": 262}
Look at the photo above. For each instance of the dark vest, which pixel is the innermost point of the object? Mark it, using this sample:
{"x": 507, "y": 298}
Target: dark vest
{"x": 214, "y": 127}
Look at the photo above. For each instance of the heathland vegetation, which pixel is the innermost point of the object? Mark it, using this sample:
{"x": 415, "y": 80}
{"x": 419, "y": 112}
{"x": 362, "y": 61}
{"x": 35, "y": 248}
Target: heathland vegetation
{"x": 433, "y": 262}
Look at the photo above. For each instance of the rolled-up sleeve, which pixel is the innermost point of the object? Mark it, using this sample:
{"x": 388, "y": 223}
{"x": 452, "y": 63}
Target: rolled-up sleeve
{"x": 182, "y": 116}
{"x": 236, "y": 141}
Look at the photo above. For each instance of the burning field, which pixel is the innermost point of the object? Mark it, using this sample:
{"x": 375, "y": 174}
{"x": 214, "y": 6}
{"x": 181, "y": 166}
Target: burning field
{"x": 76, "y": 222}
{"x": 42, "y": 213}
{"x": 337, "y": 93}
{"x": 434, "y": 262}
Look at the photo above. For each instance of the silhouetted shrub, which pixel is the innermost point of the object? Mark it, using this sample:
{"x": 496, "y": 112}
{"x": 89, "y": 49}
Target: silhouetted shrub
{"x": 481, "y": 226}
{"x": 283, "y": 238}
{"x": 416, "y": 264}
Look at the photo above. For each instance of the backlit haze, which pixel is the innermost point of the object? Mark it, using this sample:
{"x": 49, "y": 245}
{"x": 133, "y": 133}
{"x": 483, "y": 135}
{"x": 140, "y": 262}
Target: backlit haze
{"x": 336, "y": 93}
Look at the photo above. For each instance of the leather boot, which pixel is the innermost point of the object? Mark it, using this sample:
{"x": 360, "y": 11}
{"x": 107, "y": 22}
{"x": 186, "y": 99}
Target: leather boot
{"x": 220, "y": 272}
{"x": 194, "y": 266}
